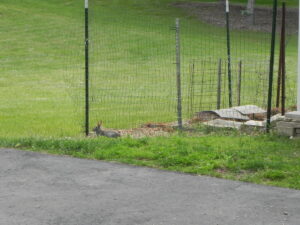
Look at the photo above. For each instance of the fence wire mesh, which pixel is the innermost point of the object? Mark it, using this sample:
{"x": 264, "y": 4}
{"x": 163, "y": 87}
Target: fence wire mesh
{"x": 208, "y": 84}
{"x": 132, "y": 64}
{"x": 38, "y": 56}
{"x": 132, "y": 69}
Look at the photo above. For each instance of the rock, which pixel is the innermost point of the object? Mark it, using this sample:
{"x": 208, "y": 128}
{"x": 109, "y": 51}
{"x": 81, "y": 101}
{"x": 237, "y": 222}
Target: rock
{"x": 274, "y": 119}
{"x": 250, "y": 109}
{"x": 252, "y": 126}
{"x": 224, "y": 123}
{"x": 254, "y": 123}
{"x": 205, "y": 116}
{"x": 293, "y": 115}
{"x": 277, "y": 117}
{"x": 231, "y": 114}
{"x": 288, "y": 120}
{"x": 291, "y": 129}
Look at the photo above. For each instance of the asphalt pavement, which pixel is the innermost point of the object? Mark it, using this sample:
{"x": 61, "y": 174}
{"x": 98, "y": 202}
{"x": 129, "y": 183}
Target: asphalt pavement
{"x": 38, "y": 189}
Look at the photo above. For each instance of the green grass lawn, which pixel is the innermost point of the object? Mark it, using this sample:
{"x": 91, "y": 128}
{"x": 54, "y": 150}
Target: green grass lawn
{"x": 270, "y": 160}
{"x": 132, "y": 63}
{"x": 132, "y": 82}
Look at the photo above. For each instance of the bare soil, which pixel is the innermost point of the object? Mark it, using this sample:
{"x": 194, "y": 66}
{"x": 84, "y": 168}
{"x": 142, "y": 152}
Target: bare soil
{"x": 146, "y": 132}
{"x": 214, "y": 13}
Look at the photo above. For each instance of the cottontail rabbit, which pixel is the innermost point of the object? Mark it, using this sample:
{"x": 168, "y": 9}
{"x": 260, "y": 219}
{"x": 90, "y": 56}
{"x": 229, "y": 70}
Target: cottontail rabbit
{"x": 107, "y": 133}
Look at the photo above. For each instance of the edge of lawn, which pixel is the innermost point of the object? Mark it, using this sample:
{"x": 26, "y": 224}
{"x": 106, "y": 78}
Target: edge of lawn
{"x": 263, "y": 159}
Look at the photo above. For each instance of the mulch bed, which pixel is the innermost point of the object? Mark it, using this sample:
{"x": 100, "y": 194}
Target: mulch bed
{"x": 214, "y": 13}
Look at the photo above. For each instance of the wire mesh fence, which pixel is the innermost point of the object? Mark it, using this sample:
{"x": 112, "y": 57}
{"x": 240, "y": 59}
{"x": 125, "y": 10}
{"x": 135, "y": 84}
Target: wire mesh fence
{"x": 37, "y": 56}
{"x": 132, "y": 66}
{"x": 208, "y": 84}
{"x": 132, "y": 70}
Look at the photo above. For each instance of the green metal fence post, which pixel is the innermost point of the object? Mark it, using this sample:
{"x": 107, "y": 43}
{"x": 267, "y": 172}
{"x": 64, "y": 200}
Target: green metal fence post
{"x": 228, "y": 54}
{"x": 87, "y": 67}
{"x": 178, "y": 75}
{"x": 271, "y": 70}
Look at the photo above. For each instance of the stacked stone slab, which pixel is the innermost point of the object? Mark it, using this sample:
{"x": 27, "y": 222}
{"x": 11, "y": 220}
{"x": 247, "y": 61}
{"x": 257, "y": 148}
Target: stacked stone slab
{"x": 290, "y": 126}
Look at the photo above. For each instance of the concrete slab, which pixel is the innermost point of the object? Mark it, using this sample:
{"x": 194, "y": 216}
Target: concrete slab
{"x": 206, "y": 116}
{"x": 254, "y": 123}
{"x": 293, "y": 115}
{"x": 288, "y": 128}
{"x": 250, "y": 109}
{"x": 231, "y": 114}
{"x": 277, "y": 118}
{"x": 39, "y": 189}
{"x": 274, "y": 120}
{"x": 253, "y": 126}
{"x": 224, "y": 123}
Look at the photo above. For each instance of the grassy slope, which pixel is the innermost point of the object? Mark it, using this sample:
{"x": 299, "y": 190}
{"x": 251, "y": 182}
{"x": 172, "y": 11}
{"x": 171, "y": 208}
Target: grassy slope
{"x": 41, "y": 82}
{"x": 34, "y": 98}
{"x": 41, "y": 71}
{"x": 268, "y": 160}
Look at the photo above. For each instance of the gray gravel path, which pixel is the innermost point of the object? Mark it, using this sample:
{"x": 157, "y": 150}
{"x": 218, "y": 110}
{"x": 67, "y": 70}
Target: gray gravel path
{"x": 38, "y": 189}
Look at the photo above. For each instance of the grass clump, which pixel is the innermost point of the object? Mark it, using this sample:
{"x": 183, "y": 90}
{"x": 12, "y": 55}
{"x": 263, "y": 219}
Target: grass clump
{"x": 265, "y": 159}
{"x": 274, "y": 175}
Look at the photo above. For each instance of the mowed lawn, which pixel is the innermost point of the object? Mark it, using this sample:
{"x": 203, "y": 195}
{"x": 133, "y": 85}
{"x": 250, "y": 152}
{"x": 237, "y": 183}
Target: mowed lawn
{"x": 132, "y": 82}
{"x": 132, "y": 63}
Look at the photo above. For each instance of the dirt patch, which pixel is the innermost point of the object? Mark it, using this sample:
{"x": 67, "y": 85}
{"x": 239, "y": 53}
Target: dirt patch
{"x": 214, "y": 13}
{"x": 140, "y": 132}
{"x": 145, "y": 132}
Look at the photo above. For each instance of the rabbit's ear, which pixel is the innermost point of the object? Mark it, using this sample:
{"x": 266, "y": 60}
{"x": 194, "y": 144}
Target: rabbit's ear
{"x": 100, "y": 123}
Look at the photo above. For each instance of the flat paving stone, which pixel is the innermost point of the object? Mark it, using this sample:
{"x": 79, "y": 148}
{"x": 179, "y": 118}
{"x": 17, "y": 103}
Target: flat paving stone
{"x": 231, "y": 114}
{"x": 38, "y": 189}
{"x": 250, "y": 109}
{"x": 293, "y": 115}
{"x": 224, "y": 123}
